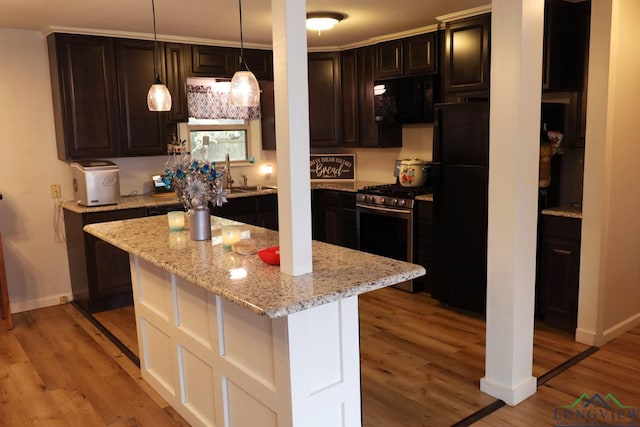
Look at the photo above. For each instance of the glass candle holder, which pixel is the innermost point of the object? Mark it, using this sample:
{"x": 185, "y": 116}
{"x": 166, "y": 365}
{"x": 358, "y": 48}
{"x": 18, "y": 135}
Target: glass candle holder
{"x": 230, "y": 235}
{"x": 176, "y": 221}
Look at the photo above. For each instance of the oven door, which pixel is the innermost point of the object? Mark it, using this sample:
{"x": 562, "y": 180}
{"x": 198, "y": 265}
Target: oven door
{"x": 387, "y": 232}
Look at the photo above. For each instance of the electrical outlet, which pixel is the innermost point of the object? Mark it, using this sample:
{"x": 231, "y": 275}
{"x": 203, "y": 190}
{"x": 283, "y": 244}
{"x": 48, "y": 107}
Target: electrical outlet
{"x": 56, "y": 193}
{"x": 64, "y": 300}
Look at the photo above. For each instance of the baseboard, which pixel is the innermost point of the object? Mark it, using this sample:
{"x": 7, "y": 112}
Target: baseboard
{"x": 511, "y": 396}
{"x": 599, "y": 339}
{"x": 34, "y": 304}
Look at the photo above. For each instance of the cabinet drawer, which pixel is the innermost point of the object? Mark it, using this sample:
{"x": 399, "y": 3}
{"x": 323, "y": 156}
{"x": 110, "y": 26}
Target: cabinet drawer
{"x": 94, "y": 217}
{"x": 562, "y": 227}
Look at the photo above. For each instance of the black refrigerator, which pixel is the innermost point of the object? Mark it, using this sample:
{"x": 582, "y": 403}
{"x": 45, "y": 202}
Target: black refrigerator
{"x": 460, "y": 173}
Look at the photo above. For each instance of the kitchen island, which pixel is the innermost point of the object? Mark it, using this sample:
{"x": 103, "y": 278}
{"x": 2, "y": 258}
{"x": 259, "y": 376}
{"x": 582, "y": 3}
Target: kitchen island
{"x": 229, "y": 340}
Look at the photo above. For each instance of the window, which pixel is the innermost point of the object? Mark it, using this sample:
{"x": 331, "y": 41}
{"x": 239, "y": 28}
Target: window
{"x": 212, "y": 141}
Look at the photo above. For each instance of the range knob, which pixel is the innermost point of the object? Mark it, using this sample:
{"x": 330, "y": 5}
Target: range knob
{"x": 403, "y": 202}
{"x": 394, "y": 202}
{"x": 383, "y": 201}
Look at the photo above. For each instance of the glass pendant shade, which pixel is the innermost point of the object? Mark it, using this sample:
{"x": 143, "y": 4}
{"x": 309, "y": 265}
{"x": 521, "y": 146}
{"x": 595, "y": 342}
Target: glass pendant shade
{"x": 244, "y": 91}
{"x": 159, "y": 98}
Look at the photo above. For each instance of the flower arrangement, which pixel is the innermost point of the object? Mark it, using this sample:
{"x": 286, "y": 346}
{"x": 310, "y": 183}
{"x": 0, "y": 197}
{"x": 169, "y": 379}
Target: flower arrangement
{"x": 195, "y": 182}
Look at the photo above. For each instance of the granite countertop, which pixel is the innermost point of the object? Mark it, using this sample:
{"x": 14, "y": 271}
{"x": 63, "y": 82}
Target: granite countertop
{"x": 165, "y": 199}
{"x": 425, "y": 197}
{"x": 565, "y": 211}
{"x": 337, "y": 272}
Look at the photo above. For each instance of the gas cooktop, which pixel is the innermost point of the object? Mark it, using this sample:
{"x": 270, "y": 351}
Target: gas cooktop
{"x": 395, "y": 190}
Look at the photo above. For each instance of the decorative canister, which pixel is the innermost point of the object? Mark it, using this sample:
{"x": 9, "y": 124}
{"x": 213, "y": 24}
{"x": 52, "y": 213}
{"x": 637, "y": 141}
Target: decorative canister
{"x": 413, "y": 172}
{"x": 200, "y": 223}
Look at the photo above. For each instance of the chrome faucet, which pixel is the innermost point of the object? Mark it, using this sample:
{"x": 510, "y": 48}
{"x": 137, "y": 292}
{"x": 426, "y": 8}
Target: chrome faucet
{"x": 244, "y": 181}
{"x": 228, "y": 181}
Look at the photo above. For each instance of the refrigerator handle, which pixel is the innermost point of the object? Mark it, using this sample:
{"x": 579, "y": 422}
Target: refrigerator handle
{"x": 437, "y": 151}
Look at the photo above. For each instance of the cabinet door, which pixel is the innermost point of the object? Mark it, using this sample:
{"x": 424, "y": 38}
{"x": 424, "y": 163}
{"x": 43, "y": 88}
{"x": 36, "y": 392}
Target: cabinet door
{"x": 390, "y": 60}
{"x": 260, "y": 62}
{"x": 143, "y": 131}
{"x": 349, "y": 76}
{"x": 242, "y": 209}
{"x": 370, "y": 132}
{"x": 325, "y": 116}
{"x": 84, "y": 95}
{"x": 348, "y": 224}
{"x": 268, "y": 211}
{"x": 423, "y": 247}
{"x": 268, "y": 113}
{"x": 213, "y": 61}
{"x": 566, "y": 38}
{"x": 560, "y": 271}
{"x": 176, "y": 59}
{"x": 467, "y": 56}
{"x": 420, "y": 54}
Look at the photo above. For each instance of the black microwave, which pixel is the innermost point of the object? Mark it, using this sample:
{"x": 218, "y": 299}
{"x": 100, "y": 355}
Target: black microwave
{"x": 405, "y": 100}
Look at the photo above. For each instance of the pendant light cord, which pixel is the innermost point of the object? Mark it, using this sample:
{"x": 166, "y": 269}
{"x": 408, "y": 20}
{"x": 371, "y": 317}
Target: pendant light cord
{"x": 242, "y": 61}
{"x": 155, "y": 42}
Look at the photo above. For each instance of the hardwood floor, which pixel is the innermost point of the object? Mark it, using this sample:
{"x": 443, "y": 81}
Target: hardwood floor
{"x": 421, "y": 366}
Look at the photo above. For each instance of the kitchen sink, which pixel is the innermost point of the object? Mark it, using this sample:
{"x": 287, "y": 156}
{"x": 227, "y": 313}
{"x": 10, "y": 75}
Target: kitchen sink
{"x": 249, "y": 189}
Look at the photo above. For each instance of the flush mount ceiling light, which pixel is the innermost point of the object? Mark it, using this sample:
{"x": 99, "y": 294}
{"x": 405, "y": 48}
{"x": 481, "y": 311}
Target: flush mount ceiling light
{"x": 321, "y": 21}
{"x": 244, "y": 91}
{"x": 158, "y": 98}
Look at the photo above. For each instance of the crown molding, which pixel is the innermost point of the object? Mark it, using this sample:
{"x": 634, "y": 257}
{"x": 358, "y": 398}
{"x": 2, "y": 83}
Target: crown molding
{"x": 468, "y": 13}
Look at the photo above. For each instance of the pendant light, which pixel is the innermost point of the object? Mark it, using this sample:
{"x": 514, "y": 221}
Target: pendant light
{"x": 244, "y": 91}
{"x": 158, "y": 98}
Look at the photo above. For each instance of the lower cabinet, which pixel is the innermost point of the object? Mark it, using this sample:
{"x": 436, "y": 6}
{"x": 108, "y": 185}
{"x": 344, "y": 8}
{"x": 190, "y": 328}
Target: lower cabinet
{"x": 334, "y": 217}
{"x": 100, "y": 277}
{"x": 423, "y": 243}
{"x": 559, "y": 269}
{"x": 260, "y": 210}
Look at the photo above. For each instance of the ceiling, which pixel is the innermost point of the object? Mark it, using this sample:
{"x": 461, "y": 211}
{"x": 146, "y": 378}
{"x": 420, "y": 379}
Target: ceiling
{"x": 217, "y": 21}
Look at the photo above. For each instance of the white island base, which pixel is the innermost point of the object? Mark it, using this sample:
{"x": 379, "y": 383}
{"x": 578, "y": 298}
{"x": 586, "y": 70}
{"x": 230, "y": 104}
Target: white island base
{"x": 220, "y": 364}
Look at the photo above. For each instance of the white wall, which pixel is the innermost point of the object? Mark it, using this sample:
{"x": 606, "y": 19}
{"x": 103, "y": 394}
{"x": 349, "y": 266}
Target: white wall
{"x": 37, "y": 269}
{"x": 610, "y": 272}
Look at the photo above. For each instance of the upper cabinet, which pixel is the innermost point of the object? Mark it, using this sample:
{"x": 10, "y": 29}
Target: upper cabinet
{"x": 99, "y": 88}
{"x": 176, "y": 59}
{"x": 143, "y": 132}
{"x": 402, "y": 57}
{"x": 466, "y": 57}
{"x": 85, "y": 98}
{"x": 213, "y": 61}
{"x": 260, "y": 62}
{"x": 325, "y": 113}
{"x": 360, "y": 127}
{"x": 566, "y": 45}
{"x": 420, "y": 54}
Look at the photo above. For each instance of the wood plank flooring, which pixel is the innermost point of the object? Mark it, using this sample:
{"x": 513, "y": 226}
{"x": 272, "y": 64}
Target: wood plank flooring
{"x": 421, "y": 366}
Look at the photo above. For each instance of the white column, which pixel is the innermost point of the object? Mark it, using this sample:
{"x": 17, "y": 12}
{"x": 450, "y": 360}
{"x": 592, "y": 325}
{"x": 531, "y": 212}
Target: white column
{"x": 516, "y": 75}
{"x": 292, "y": 134}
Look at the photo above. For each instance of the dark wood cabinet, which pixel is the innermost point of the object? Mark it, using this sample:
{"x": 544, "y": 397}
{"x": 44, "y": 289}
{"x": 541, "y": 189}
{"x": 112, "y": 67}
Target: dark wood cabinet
{"x": 419, "y": 53}
{"x": 565, "y": 47}
{"x": 83, "y": 83}
{"x": 100, "y": 276}
{"x": 360, "y": 128}
{"x": 559, "y": 272}
{"x": 176, "y": 63}
{"x": 260, "y": 210}
{"x": 325, "y": 115}
{"x": 99, "y": 88}
{"x": 260, "y": 62}
{"x": 268, "y": 113}
{"x": 350, "y": 97}
{"x": 466, "y": 57}
{"x": 423, "y": 246}
{"x": 390, "y": 62}
{"x": 144, "y": 132}
{"x": 334, "y": 217}
{"x": 213, "y": 61}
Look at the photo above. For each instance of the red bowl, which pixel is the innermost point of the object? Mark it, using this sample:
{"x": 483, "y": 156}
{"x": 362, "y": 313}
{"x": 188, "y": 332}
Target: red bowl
{"x": 270, "y": 255}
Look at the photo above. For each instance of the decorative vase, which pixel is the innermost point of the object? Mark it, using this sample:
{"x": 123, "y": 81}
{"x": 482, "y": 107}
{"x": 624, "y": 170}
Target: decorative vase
{"x": 200, "y": 223}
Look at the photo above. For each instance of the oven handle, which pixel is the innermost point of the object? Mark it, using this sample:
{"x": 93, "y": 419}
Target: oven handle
{"x": 383, "y": 209}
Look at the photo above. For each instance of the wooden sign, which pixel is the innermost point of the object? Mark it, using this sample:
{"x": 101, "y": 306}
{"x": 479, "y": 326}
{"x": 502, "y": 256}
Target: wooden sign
{"x": 333, "y": 167}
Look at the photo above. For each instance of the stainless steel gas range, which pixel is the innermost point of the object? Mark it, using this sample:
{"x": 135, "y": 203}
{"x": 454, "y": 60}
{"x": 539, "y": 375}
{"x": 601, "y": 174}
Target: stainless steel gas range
{"x": 385, "y": 221}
